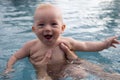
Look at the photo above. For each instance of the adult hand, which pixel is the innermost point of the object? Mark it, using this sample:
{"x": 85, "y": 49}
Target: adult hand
{"x": 44, "y": 61}
{"x": 69, "y": 53}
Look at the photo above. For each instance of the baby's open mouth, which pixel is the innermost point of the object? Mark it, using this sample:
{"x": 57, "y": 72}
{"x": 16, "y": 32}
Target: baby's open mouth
{"x": 48, "y": 36}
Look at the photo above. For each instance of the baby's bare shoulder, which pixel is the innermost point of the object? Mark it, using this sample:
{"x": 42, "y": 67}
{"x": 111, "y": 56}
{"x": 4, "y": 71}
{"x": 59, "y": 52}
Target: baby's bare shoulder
{"x": 34, "y": 41}
{"x": 68, "y": 40}
{"x": 31, "y": 43}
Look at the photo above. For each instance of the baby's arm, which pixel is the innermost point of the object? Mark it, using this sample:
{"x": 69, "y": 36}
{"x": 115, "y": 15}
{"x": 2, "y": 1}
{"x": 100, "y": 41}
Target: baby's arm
{"x": 94, "y": 46}
{"x": 10, "y": 63}
{"x": 23, "y": 52}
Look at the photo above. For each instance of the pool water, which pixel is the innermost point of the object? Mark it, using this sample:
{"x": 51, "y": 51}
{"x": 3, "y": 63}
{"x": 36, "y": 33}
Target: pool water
{"x": 91, "y": 20}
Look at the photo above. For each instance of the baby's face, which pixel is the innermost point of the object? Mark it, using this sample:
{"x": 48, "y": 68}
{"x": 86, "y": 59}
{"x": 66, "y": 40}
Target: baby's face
{"x": 48, "y": 25}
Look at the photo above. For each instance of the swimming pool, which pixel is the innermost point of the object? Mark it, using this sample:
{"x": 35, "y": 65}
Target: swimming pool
{"x": 91, "y": 20}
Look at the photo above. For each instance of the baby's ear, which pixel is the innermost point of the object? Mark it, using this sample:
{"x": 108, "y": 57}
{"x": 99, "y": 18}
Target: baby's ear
{"x": 63, "y": 27}
{"x": 33, "y": 28}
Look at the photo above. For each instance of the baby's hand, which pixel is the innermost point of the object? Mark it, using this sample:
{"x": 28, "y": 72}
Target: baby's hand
{"x": 8, "y": 70}
{"x": 110, "y": 42}
{"x": 6, "y": 74}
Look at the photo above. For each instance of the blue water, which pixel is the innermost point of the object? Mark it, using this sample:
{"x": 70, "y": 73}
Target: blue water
{"x": 91, "y": 20}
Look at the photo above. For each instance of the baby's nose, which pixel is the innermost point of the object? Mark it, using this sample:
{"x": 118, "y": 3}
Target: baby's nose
{"x": 48, "y": 28}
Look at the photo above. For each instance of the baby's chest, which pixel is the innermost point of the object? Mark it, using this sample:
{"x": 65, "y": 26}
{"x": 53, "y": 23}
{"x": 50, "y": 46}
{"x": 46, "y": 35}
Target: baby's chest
{"x": 58, "y": 56}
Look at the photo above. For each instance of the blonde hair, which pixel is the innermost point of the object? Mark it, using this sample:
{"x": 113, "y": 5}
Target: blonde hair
{"x": 47, "y": 6}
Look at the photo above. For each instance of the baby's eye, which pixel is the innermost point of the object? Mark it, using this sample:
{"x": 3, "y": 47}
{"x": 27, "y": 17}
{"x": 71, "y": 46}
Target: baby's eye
{"x": 54, "y": 24}
{"x": 41, "y": 24}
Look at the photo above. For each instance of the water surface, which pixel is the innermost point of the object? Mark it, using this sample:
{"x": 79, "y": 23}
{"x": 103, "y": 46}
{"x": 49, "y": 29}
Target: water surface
{"x": 91, "y": 20}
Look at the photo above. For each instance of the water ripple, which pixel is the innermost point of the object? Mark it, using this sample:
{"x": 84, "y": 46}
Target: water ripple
{"x": 85, "y": 19}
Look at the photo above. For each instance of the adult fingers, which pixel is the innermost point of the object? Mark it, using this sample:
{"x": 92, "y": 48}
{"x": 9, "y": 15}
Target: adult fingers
{"x": 64, "y": 48}
{"x": 44, "y": 60}
{"x": 47, "y": 57}
{"x": 70, "y": 54}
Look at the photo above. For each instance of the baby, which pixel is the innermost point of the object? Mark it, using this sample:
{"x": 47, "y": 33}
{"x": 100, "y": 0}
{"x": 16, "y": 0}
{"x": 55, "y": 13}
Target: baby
{"x": 52, "y": 54}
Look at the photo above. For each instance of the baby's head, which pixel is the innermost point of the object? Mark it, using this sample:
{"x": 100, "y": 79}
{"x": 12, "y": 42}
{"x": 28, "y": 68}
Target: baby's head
{"x": 48, "y": 23}
{"x": 47, "y": 9}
